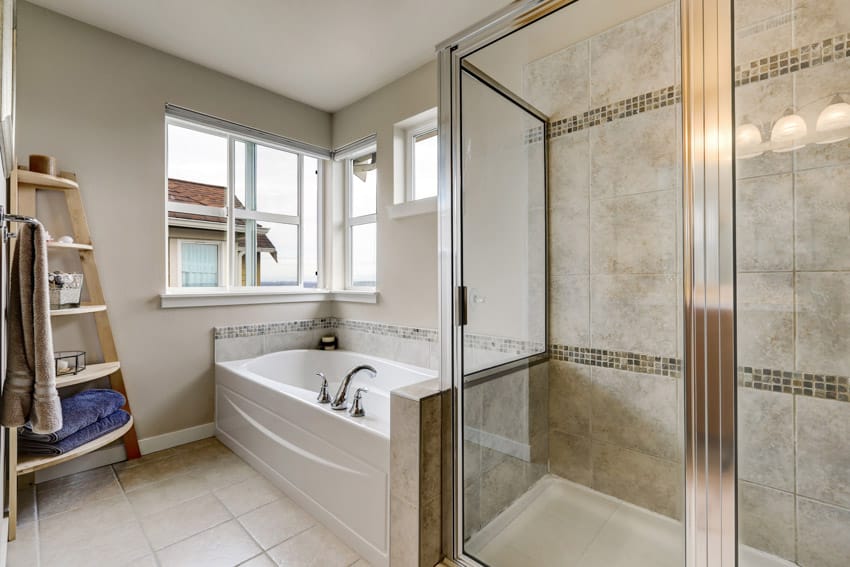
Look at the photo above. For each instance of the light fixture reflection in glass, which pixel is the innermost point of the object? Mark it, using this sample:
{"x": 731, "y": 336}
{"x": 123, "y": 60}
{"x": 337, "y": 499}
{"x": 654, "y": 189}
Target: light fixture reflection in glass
{"x": 788, "y": 131}
{"x": 834, "y": 117}
{"x": 747, "y": 140}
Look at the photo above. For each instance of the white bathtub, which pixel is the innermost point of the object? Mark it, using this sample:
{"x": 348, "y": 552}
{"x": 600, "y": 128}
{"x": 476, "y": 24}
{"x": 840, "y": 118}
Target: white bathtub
{"x": 334, "y": 465}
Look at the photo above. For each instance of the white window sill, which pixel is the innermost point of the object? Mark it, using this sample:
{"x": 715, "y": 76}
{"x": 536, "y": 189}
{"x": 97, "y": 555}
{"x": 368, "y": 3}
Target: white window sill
{"x": 413, "y": 208}
{"x": 178, "y": 299}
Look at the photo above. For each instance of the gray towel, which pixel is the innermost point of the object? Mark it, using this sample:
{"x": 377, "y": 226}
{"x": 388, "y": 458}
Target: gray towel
{"x": 85, "y": 435}
{"x": 30, "y": 390}
{"x": 78, "y": 411}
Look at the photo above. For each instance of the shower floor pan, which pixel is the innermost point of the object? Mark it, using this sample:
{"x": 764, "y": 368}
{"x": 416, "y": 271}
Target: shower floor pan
{"x": 558, "y": 523}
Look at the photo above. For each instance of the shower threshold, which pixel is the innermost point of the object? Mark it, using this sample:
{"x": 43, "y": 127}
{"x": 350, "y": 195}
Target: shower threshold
{"x": 559, "y": 523}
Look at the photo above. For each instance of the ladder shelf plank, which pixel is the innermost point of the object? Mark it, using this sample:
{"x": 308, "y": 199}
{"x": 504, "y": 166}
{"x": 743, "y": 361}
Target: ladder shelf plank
{"x": 92, "y": 372}
{"x": 82, "y": 309}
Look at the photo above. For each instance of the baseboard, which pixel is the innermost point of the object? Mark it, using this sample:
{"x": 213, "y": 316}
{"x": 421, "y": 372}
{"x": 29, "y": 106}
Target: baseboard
{"x": 174, "y": 438}
{"x": 115, "y": 453}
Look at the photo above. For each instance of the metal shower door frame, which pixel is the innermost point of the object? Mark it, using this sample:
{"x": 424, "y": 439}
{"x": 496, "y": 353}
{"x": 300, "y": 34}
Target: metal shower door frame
{"x": 709, "y": 364}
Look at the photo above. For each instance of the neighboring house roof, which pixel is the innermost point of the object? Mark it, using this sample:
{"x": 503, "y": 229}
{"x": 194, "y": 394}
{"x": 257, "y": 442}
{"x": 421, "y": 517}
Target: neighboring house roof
{"x": 193, "y": 193}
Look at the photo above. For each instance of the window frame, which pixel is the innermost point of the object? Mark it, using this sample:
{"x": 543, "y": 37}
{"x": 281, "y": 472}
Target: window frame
{"x": 229, "y": 267}
{"x": 221, "y": 259}
{"x": 353, "y": 221}
{"x": 427, "y": 129}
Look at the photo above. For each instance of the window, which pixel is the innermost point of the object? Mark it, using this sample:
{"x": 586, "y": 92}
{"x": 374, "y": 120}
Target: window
{"x": 422, "y": 162}
{"x": 361, "y": 220}
{"x": 243, "y": 209}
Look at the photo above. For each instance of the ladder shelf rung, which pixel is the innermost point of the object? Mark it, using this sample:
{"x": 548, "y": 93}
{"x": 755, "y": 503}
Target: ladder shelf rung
{"x": 92, "y": 372}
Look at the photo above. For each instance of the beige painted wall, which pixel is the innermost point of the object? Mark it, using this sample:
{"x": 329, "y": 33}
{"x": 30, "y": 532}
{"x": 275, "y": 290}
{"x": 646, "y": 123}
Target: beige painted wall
{"x": 407, "y": 247}
{"x": 95, "y": 101}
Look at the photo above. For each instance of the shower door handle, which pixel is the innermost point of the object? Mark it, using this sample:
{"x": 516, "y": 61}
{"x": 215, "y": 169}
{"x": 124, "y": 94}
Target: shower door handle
{"x": 463, "y": 305}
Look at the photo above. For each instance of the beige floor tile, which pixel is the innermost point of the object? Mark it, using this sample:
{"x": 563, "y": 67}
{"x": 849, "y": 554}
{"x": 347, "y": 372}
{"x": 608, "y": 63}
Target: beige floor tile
{"x": 248, "y": 494}
{"x": 117, "y": 544}
{"x": 259, "y": 561}
{"x": 362, "y": 563}
{"x": 70, "y": 492}
{"x": 146, "y": 561}
{"x": 184, "y": 520}
{"x": 276, "y": 522}
{"x": 224, "y": 545}
{"x": 317, "y": 547}
{"x": 23, "y": 552}
{"x": 163, "y": 465}
{"x": 76, "y": 527}
{"x": 167, "y": 493}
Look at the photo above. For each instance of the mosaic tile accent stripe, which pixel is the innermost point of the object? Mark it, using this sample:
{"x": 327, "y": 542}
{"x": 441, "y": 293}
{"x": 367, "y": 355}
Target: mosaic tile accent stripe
{"x": 398, "y": 331}
{"x": 798, "y": 383}
{"x": 260, "y": 329}
{"x": 619, "y": 360}
{"x": 501, "y": 344}
{"x": 836, "y": 48}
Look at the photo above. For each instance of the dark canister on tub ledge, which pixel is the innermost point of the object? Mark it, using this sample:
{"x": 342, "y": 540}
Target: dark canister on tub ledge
{"x": 328, "y": 342}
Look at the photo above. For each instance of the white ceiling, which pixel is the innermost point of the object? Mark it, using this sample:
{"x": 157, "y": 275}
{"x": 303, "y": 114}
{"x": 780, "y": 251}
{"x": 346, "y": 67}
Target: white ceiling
{"x": 326, "y": 53}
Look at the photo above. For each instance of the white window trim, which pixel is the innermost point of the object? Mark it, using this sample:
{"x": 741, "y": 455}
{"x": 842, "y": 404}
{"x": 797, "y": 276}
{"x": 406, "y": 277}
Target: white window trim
{"x": 229, "y": 286}
{"x": 411, "y": 134}
{"x": 214, "y": 297}
{"x": 352, "y": 152}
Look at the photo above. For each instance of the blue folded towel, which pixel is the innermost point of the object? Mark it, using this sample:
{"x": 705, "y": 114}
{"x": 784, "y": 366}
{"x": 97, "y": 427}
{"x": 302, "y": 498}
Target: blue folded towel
{"x": 78, "y": 411}
{"x": 86, "y": 434}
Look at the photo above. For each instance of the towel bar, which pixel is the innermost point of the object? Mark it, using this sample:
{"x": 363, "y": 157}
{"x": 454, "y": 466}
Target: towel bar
{"x": 6, "y": 218}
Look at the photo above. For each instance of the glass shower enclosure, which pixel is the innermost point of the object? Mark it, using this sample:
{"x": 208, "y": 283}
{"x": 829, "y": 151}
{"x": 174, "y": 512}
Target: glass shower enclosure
{"x": 645, "y": 242}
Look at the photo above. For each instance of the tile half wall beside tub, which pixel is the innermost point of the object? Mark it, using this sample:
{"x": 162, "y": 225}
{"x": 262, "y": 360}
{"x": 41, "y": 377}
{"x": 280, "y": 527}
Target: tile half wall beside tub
{"x": 410, "y": 345}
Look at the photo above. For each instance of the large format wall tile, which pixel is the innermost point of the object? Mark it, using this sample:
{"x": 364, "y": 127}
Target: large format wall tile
{"x": 569, "y": 397}
{"x": 761, "y": 103}
{"x": 822, "y": 229}
{"x": 766, "y": 519}
{"x": 764, "y": 223}
{"x": 819, "y": 19}
{"x": 636, "y": 411}
{"x": 558, "y": 84}
{"x": 634, "y": 58}
{"x": 638, "y": 154}
{"x": 823, "y": 450}
{"x": 506, "y": 406}
{"x": 823, "y": 322}
{"x": 822, "y": 534}
{"x": 569, "y": 310}
{"x": 634, "y": 313}
{"x": 813, "y": 90}
{"x": 637, "y": 478}
{"x": 569, "y": 244}
{"x": 765, "y": 320}
{"x": 569, "y": 168}
{"x": 766, "y": 438}
{"x": 634, "y": 234}
{"x": 760, "y": 28}
{"x": 570, "y": 457}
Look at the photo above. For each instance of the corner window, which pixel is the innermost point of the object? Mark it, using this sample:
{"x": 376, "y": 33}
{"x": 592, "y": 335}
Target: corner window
{"x": 242, "y": 212}
{"x": 361, "y": 220}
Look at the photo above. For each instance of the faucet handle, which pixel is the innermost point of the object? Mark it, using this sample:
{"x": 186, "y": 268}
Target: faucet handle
{"x": 324, "y": 397}
{"x": 357, "y": 404}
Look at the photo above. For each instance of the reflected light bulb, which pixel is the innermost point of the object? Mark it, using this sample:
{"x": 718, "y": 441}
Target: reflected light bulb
{"x": 834, "y": 117}
{"x": 747, "y": 140}
{"x": 788, "y": 130}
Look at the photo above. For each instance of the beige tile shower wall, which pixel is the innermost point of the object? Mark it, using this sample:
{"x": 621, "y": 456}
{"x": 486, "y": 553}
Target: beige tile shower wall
{"x": 793, "y": 243}
{"x": 615, "y": 206}
{"x": 96, "y": 101}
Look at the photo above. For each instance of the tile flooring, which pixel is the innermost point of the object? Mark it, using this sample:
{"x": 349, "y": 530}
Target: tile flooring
{"x": 194, "y": 505}
{"x": 562, "y": 524}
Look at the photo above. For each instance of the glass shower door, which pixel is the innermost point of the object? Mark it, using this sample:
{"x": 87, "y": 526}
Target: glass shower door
{"x": 505, "y": 414}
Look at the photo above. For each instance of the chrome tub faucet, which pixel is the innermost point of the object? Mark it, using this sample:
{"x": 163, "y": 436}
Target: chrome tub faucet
{"x": 340, "y": 401}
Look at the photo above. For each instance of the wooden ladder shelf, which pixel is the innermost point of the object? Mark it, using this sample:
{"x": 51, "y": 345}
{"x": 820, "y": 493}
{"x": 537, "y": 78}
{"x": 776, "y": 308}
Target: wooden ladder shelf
{"x": 24, "y": 186}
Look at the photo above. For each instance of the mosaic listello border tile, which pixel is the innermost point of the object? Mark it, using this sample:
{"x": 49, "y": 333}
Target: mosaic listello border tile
{"x": 261, "y": 329}
{"x": 277, "y": 328}
{"x": 797, "y": 383}
{"x": 618, "y": 360}
{"x": 501, "y": 344}
{"x": 836, "y": 48}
